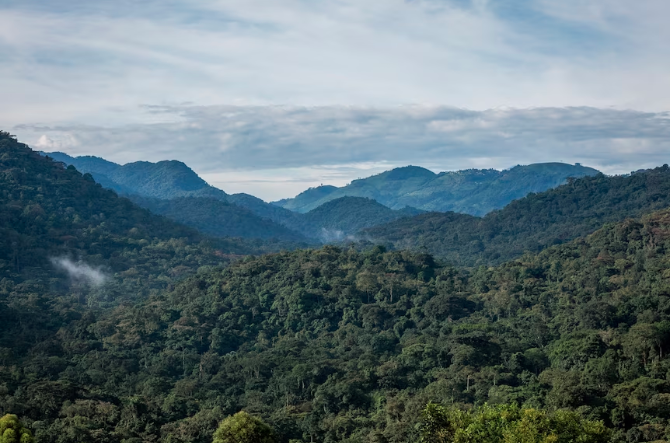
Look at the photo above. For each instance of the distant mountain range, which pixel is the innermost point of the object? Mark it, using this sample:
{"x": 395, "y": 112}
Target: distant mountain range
{"x": 171, "y": 179}
{"x": 532, "y": 223}
{"x": 172, "y": 189}
{"x": 472, "y": 191}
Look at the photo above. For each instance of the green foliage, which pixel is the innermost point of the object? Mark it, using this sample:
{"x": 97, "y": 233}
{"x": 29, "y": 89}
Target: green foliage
{"x": 531, "y": 223}
{"x": 328, "y": 345}
{"x": 472, "y": 191}
{"x": 168, "y": 180}
{"x": 508, "y": 424}
{"x": 344, "y": 216}
{"x": 244, "y": 428}
{"x": 338, "y": 345}
{"x": 13, "y": 431}
{"x": 218, "y": 218}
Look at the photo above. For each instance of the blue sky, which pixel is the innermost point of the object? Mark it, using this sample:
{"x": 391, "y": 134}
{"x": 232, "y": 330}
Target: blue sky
{"x": 272, "y": 96}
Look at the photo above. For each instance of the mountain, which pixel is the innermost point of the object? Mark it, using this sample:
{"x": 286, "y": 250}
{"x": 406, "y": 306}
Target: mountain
{"x": 303, "y": 201}
{"x": 531, "y": 223}
{"x": 471, "y": 191}
{"x": 164, "y": 180}
{"x": 54, "y": 219}
{"x": 337, "y": 345}
{"x": 217, "y": 218}
{"x": 172, "y": 179}
{"x": 337, "y": 219}
{"x": 235, "y": 215}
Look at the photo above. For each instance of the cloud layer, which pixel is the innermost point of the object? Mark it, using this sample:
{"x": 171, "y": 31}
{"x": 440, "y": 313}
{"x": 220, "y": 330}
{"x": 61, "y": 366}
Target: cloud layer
{"x": 267, "y": 145}
{"x": 266, "y": 96}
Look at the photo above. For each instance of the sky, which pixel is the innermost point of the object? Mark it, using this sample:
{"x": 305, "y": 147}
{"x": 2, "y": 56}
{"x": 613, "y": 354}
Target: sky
{"x": 271, "y": 97}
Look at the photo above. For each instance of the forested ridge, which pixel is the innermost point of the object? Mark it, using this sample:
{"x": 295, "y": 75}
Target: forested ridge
{"x": 529, "y": 224}
{"x": 218, "y": 218}
{"x": 332, "y": 344}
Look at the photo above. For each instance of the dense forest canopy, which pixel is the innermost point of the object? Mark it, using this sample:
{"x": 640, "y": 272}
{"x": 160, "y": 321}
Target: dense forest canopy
{"x": 52, "y": 213}
{"x": 219, "y": 218}
{"x": 531, "y": 223}
{"x": 338, "y": 345}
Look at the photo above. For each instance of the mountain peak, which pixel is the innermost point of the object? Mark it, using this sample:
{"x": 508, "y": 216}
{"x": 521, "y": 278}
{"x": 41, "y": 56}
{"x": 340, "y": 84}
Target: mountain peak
{"x": 407, "y": 172}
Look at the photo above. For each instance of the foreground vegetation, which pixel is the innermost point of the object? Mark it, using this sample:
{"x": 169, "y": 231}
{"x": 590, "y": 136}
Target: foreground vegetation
{"x": 337, "y": 345}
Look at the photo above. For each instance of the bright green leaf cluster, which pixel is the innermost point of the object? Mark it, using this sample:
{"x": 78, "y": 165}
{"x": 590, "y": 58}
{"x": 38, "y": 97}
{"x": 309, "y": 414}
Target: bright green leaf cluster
{"x": 244, "y": 428}
{"x": 13, "y": 431}
{"x": 508, "y": 424}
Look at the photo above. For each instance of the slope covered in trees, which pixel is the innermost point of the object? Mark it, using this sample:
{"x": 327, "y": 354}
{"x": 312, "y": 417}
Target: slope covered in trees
{"x": 56, "y": 222}
{"x": 217, "y": 218}
{"x": 173, "y": 179}
{"x": 338, "y": 219}
{"x": 303, "y": 202}
{"x": 472, "y": 191}
{"x": 531, "y": 223}
{"x": 335, "y": 345}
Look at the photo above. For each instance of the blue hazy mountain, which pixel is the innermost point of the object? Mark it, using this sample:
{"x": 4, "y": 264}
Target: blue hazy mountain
{"x": 472, "y": 191}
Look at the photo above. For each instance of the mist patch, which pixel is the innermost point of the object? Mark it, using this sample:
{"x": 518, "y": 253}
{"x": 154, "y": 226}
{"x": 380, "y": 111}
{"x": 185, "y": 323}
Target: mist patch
{"x": 81, "y": 272}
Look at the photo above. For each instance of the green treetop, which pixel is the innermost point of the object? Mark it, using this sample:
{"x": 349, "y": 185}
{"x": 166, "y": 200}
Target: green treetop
{"x": 13, "y": 431}
{"x": 244, "y": 428}
{"x": 508, "y": 424}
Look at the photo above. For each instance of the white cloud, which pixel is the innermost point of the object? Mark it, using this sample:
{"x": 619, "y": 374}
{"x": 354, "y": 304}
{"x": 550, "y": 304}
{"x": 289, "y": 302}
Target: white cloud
{"x": 300, "y": 87}
{"x": 80, "y": 272}
{"x": 275, "y": 152}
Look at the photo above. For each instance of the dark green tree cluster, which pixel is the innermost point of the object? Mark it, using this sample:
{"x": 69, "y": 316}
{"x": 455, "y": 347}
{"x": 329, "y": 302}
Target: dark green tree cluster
{"x": 49, "y": 212}
{"x": 218, "y": 218}
{"x": 532, "y": 223}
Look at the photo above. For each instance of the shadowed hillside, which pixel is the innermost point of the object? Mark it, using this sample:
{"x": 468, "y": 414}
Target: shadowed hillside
{"x": 532, "y": 223}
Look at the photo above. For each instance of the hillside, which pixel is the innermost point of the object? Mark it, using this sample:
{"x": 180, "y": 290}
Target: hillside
{"x": 217, "y": 218}
{"x": 52, "y": 214}
{"x": 472, "y": 191}
{"x": 343, "y": 217}
{"x": 335, "y": 345}
{"x": 164, "y": 180}
{"x": 304, "y": 200}
{"x": 531, "y": 223}
{"x": 167, "y": 180}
